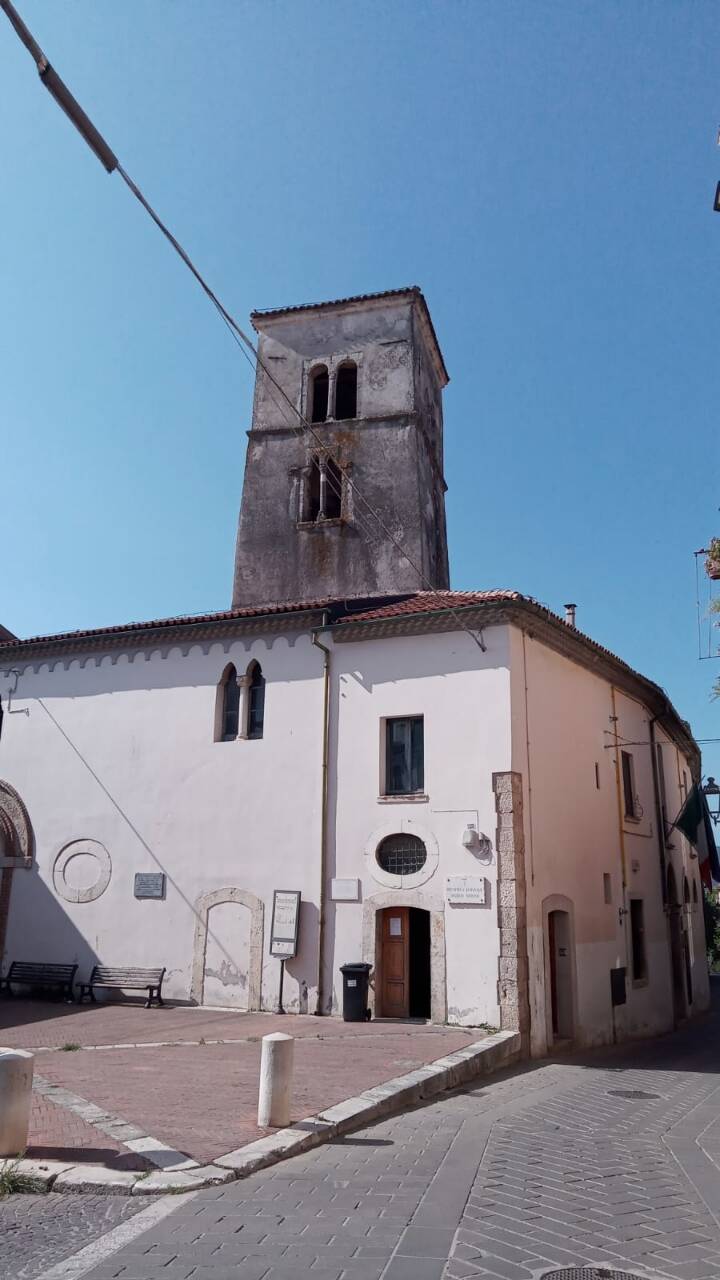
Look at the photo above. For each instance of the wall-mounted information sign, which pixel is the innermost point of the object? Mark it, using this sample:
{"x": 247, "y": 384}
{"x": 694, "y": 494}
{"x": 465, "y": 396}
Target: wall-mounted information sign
{"x": 344, "y": 890}
{"x": 466, "y": 890}
{"x": 285, "y": 923}
{"x": 149, "y": 884}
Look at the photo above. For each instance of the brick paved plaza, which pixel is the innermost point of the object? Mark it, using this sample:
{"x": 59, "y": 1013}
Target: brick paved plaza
{"x": 192, "y": 1082}
{"x": 548, "y": 1165}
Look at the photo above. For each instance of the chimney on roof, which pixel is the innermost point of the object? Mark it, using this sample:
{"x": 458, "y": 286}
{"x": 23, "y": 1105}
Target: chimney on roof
{"x": 570, "y": 614}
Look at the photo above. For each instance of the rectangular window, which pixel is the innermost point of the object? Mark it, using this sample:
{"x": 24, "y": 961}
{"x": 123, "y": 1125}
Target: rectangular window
{"x": 628, "y": 780}
{"x": 637, "y": 930}
{"x": 404, "y": 756}
{"x": 607, "y": 888}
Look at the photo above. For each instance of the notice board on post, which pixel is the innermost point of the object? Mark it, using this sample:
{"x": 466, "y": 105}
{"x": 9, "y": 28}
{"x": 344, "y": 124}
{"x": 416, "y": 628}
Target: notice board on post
{"x": 285, "y": 923}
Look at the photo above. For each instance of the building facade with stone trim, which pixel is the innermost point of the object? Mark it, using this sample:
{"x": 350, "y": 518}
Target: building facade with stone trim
{"x": 469, "y": 794}
{"x": 516, "y": 904}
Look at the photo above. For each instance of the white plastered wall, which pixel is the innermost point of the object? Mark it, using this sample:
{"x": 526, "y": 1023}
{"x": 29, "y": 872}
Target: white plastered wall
{"x": 464, "y": 697}
{"x": 123, "y": 753}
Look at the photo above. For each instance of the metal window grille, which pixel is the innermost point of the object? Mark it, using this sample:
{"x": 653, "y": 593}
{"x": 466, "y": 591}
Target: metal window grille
{"x": 401, "y": 855}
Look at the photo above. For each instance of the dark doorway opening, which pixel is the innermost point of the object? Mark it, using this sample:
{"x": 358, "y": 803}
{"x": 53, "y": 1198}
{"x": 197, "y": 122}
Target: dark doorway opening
{"x": 419, "y": 963}
{"x": 678, "y": 957}
{"x": 561, "y": 1000}
{"x": 403, "y": 963}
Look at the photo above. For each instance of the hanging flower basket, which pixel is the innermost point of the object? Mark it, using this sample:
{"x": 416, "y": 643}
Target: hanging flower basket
{"x": 712, "y": 564}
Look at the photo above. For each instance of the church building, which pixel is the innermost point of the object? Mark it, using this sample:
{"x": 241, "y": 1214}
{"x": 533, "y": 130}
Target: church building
{"x": 467, "y": 792}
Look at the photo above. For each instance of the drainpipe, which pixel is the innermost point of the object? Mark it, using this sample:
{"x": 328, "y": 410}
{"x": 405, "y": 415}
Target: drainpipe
{"x": 618, "y": 785}
{"x": 319, "y": 1010}
{"x": 623, "y": 910}
{"x": 658, "y": 808}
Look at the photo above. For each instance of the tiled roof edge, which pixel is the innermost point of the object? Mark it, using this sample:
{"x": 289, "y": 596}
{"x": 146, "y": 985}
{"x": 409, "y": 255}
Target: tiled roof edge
{"x": 412, "y": 290}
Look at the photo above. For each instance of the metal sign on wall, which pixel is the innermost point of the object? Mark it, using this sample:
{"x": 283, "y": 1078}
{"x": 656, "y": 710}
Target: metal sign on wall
{"x": 466, "y": 890}
{"x": 285, "y": 923}
{"x": 149, "y": 884}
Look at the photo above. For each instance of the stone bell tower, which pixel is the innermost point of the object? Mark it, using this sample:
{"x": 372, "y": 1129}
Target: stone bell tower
{"x": 368, "y": 373}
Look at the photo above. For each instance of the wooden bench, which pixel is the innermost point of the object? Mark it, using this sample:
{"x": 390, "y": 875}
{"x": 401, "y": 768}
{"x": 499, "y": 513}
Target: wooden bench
{"x": 27, "y": 973}
{"x": 149, "y": 980}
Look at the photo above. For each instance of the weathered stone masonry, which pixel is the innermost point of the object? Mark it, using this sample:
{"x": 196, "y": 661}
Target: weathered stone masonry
{"x": 512, "y": 921}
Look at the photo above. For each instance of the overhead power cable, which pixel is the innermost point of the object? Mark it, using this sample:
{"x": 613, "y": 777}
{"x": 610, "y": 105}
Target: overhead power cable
{"x": 62, "y": 95}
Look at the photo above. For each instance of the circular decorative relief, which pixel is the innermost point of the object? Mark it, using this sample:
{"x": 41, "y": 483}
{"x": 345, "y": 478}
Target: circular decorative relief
{"x": 82, "y": 871}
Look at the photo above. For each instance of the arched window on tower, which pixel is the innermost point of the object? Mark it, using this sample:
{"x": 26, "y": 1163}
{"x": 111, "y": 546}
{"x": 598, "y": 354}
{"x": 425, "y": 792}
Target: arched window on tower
{"x": 255, "y": 701}
{"x": 323, "y": 490}
{"x": 346, "y": 391}
{"x": 333, "y": 490}
{"x": 319, "y": 389}
{"x": 228, "y": 706}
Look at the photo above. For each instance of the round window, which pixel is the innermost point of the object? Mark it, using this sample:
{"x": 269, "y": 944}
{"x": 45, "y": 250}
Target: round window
{"x": 401, "y": 855}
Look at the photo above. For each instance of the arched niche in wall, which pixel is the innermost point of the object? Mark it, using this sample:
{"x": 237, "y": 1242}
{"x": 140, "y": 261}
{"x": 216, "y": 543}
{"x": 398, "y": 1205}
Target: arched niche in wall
{"x": 16, "y": 834}
{"x": 561, "y": 996}
{"x": 203, "y": 907}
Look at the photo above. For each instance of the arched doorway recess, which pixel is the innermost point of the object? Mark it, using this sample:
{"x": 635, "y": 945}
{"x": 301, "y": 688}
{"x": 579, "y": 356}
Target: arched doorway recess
{"x": 410, "y": 954}
{"x": 245, "y": 956}
{"x": 560, "y": 979}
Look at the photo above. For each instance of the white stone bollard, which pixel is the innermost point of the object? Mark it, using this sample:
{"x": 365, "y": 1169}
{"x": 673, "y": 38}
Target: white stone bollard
{"x": 16, "y": 1077}
{"x": 276, "y": 1073}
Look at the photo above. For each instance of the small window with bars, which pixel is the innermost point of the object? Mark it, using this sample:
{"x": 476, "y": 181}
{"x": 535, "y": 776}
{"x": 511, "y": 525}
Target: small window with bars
{"x": 401, "y": 855}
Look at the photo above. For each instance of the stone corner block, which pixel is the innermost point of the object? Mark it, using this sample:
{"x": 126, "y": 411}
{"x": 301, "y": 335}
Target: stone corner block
{"x": 93, "y": 1177}
{"x": 351, "y": 1113}
{"x": 164, "y": 1181}
{"x": 42, "y": 1172}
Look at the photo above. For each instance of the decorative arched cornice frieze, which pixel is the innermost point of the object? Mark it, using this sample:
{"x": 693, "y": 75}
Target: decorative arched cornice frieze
{"x": 16, "y": 826}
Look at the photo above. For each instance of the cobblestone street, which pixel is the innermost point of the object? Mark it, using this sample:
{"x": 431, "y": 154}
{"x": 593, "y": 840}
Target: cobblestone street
{"x": 610, "y": 1160}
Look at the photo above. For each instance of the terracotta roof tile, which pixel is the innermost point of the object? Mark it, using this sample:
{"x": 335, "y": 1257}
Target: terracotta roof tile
{"x": 434, "y": 602}
{"x": 412, "y": 290}
{"x": 337, "y": 302}
{"x": 155, "y": 624}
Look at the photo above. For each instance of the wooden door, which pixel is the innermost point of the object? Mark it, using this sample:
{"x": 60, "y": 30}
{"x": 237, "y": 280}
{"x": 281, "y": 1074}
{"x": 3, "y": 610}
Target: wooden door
{"x": 394, "y": 975}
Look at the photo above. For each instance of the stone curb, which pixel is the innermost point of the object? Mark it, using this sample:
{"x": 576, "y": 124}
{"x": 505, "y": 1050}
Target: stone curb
{"x": 485, "y": 1056}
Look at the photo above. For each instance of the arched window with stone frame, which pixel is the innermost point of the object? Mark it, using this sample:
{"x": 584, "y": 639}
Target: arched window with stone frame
{"x": 254, "y": 701}
{"x": 227, "y": 706}
{"x": 318, "y": 393}
{"x": 323, "y": 490}
{"x": 346, "y": 380}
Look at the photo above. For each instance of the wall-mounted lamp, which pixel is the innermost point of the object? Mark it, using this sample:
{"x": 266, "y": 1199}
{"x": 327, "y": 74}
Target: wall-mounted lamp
{"x": 711, "y": 791}
{"x": 477, "y": 843}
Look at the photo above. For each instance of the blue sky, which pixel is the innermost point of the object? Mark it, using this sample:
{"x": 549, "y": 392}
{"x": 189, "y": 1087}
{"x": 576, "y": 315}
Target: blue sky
{"x": 545, "y": 171}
